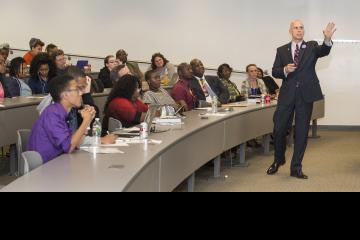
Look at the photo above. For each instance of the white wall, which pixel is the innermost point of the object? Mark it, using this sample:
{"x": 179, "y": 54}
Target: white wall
{"x": 234, "y": 31}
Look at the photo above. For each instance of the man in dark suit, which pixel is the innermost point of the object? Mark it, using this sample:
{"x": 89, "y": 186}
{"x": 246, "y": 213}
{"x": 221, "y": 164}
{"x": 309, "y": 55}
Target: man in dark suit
{"x": 205, "y": 87}
{"x": 295, "y": 64}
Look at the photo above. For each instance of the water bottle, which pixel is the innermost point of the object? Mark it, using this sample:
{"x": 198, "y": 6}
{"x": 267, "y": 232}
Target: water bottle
{"x": 97, "y": 129}
{"x": 214, "y": 104}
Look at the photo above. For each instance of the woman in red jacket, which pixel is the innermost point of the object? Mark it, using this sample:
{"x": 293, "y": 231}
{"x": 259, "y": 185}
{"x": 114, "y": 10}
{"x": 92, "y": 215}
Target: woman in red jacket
{"x": 124, "y": 103}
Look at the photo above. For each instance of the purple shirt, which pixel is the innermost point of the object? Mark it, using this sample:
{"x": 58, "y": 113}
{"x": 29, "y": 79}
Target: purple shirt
{"x": 51, "y": 135}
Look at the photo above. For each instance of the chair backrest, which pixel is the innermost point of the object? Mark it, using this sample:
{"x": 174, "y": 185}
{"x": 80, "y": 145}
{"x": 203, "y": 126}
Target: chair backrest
{"x": 114, "y": 125}
{"x": 32, "y": 160}
{"x": 23, "y": 136}
{"x": 175, "y": 78}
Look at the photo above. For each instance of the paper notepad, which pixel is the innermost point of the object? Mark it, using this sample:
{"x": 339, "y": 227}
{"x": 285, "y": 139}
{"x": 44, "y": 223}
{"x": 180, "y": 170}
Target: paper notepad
{"x": 140, "y": 141}
{"x": 236, "y": 105}
{"x": 102, "y": 150}
{"x": 117, "y": 144}
{"x": 168, "y": 120}
{"x": 214, "y": 115}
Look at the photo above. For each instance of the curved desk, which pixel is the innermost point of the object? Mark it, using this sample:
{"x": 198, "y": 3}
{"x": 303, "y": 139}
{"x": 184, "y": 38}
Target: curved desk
{"x": 157, "y": 168}
{"x": 20, "y": 113}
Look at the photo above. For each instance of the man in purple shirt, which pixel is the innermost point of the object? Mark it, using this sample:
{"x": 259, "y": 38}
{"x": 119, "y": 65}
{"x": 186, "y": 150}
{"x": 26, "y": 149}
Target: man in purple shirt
{"x": 181, "y": 92}
{"x": 51, "y": 135}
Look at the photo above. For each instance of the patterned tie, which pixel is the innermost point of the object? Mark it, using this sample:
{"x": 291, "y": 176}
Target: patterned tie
{"x": 297, "y": 55}
{"x": 204, "y": 88}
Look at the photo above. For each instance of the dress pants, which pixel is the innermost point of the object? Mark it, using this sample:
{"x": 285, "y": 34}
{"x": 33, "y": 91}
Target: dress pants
{"x": 283, "y": 118}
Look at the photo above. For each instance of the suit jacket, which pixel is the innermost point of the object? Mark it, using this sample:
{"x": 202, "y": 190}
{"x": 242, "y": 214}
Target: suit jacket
{"x": 305, "y": 73}
{"x": 216, "y": 85}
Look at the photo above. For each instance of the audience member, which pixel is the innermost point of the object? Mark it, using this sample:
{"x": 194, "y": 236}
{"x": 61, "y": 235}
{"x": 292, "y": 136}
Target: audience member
{"x": 36, "y": 47}
{"x": 104, "y": 75}
{"x": 164, "y": 68}
{"x": 182, "y": 93}
{"x": 224, "y": 73}
{"x": 51, "y": 135}
{"x": 42, "y": 70}
{"x": 124, "y": 103}
{"x": 207, "y": 87}
{"x": 253, "y": 86}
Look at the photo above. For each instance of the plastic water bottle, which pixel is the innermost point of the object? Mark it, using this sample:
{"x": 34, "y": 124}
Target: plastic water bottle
{"x": 96, "y": 131}
{"x": 214, "y": 104}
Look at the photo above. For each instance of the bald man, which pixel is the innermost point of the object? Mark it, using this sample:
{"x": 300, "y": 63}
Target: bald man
{"x": 295, "y": 65}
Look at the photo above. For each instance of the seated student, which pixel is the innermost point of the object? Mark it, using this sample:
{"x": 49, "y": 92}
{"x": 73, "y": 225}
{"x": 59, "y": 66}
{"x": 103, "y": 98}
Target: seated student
{"x": 164, "y": 68}
{"x": 36, "y": 47}
{"x": 51, "y": 50}
{"x": 2, "y": 92}
{"x": 104, "y": 75}
{"x": 124, "y": 103}
{"x": 14, "y": 84}
{"x": 96, "y": 84}
{"x": 122, "y": 58}
{"x": 206, "y": 87}
{"x": 74, "y": 118}
{"x": 85, "y": 88}
{"x": 181, "y": 92}
{"x": 224, "y": 73}
{"x": 51, "y": 135}
{"x": 157, "y": 95}
{"x": 42, "y": 70}
{"x": 270, "y": 83}
{"x": 253, "y": 85}
{"x": 60, "y": 62}
{"x": 2, "y": 76}
{"x": 118, "y": 72}
{"x": 5, "y": 52}
{"x": 134, "y": 68}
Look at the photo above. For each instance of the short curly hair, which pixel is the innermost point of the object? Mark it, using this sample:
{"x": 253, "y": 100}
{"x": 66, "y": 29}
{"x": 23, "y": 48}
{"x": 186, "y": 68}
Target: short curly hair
{"x": 221, "y": 69}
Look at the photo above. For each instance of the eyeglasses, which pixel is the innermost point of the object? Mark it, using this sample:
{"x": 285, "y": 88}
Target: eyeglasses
{"x": 82, "y": 88}
{"x": 78, "y": 90}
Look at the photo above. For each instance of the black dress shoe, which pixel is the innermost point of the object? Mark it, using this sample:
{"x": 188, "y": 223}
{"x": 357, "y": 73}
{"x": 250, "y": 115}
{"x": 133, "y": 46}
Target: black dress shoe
{"x": 299, "y": 174}
{"x": 274, "y": 168}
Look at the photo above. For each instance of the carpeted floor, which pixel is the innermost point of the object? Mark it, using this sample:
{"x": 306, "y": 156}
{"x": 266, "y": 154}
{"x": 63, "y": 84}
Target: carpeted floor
{"x": 332, "y": 163}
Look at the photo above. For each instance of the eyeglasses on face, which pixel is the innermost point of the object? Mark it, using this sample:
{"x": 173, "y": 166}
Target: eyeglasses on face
{"x": 77, "y": 90}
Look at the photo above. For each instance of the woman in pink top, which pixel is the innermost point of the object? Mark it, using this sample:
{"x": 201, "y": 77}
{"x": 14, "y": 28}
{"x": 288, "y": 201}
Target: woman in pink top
{"x": 2, "y": 72}
{"x": 2, "y": 93}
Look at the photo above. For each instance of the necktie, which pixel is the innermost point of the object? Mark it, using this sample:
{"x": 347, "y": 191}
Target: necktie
{"x": 297, "y": 55}
{"x": 204, "y": 88}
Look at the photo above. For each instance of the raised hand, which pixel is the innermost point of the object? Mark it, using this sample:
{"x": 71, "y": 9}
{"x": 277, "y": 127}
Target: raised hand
{"x": 329, "y": 31}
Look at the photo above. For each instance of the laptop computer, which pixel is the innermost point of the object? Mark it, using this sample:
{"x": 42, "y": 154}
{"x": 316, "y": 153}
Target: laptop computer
{"x": 135, "y": 131}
